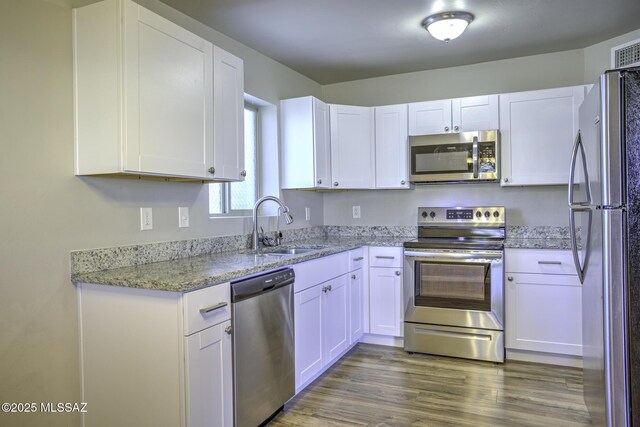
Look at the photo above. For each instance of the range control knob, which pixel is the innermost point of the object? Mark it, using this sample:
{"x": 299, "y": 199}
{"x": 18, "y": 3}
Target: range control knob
{"x": 432, "y": 214}
{"x": 496, "y": 214}
{"x": 478, "y": 214}
{"x": 424, "y": 214}
{"x": 487, "y": 214}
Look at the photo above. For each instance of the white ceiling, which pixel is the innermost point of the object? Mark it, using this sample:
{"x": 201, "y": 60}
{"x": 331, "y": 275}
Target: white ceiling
{"x": 340, "y": 40}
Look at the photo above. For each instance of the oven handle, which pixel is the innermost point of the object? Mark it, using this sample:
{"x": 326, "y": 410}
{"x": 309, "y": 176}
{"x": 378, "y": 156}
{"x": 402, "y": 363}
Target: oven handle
{"x": 479, "y": 258}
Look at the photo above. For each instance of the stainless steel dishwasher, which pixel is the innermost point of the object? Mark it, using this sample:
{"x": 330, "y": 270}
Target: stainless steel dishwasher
{"x": 263, "y": 351}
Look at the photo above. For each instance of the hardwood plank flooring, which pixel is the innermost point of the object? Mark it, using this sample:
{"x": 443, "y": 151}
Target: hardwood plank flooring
{"x": 385, "y": 386}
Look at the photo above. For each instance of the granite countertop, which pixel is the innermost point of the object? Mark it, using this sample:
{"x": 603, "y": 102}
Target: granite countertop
{"x": 544, "y": 243}
{"x": 538, "y": 237}
{"x": 192, "y": 273}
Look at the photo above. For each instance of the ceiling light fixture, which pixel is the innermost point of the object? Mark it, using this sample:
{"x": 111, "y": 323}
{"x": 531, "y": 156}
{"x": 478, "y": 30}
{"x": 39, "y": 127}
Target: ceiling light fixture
{"x": 447, "y": 26}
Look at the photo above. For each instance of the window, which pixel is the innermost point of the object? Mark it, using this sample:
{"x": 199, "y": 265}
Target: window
{"x": 238, "y": 198}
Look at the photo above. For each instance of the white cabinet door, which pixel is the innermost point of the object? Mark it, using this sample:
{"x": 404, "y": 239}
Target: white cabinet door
{"x": 475, "y": 113}
{"x": 306, "y": 155}
{"x": 430, "y": 117}
{"x": 168, "y": 96}
{"x": 544, "y": 313}
{"x": 352, "y": 151}
{"x": 356, "y": 304}
{"x": 538, "y": 129}
{"x": 209, "y": 390}
{"x": 385, "y": 301}
{"x": 309, "y": 332}
{"x": 391, "y": 142}
{"x": 336, "y": 320}
{"x": 228, "y": 96}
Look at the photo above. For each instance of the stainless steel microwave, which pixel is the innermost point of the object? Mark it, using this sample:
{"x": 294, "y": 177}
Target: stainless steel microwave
{"x": 455, "y": 157}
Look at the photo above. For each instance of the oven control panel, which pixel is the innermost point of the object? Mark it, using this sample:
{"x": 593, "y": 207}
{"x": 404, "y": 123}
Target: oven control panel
{"x": 494, "y": 215}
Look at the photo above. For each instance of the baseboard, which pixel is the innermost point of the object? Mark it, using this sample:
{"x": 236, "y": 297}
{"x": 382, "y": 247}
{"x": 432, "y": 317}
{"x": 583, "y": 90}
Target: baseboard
{"x": 382, "y": 340}
{"x": 546, "y": 358}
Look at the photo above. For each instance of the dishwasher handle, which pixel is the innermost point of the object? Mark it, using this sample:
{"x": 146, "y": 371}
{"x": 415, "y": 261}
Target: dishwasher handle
{"x": 254, "y": 286}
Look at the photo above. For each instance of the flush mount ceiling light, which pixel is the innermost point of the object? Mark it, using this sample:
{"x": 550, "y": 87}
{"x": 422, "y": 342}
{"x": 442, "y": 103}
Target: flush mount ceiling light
{"x": 447, "y": 26}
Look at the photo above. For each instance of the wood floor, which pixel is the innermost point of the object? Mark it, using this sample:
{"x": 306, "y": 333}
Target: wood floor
{"x": 384, "y": 386}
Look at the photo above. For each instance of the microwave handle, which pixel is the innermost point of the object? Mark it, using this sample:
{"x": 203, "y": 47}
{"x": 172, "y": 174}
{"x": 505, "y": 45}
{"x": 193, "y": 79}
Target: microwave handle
{"x": 475, "y": 157}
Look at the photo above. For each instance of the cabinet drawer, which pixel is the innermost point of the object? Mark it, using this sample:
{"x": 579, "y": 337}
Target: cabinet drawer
{"x": 356, "y": 259}
{"x": 539, "y": 261}
{"x": 320, "y": 270}
{"x": 200, "y": 310}
{"x": 385, "y": 257}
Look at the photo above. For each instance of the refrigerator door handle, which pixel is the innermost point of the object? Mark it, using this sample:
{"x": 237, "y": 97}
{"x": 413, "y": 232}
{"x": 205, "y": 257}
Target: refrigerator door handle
{"x": 580, "y": 268}
{"x": 578, "y": 145}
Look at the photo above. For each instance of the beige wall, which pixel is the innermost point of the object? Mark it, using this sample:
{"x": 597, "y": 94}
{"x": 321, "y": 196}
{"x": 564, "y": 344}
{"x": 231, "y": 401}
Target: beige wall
{"x": 45, "y": 211}
{"x": 597, "y": 58}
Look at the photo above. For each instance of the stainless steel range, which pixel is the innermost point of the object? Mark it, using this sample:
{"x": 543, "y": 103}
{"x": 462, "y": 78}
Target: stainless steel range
{"x": 453, "y": 283}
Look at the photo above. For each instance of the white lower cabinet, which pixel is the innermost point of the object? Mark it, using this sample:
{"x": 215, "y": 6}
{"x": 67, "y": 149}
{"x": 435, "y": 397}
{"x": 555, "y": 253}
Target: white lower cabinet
{"x": 386, "y": 313}
{"x": 356, "y": 305}
{"x": 151, "y": 358}
{"x": 309, "y": 348}
{"x": 335, "y": 317}
{"x": 543, "y": 302}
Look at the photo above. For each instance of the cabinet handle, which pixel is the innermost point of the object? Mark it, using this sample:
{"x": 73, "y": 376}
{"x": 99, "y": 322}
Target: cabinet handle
{"x": 353, "y": 276}
{"x": 335, "y": 184}
{"x": 402, "y": 182}
{"x": 549, "y": 263}
{"x": 360, "y": 258}
{"x": 243, "y": 173}
{"x": 446, "y": 128}
{"x": 385, "y": 257}
{"x": 212, "y": 170}
{"x": 506, "y": 180}
{"x": 228, "y": 330}
{"x": 510, "y": 278}
{"x": 319, "y": 181}
{"x": 213, "y": 308}
{"x": 456, "y": 128}
{"x": 398, "y": 273}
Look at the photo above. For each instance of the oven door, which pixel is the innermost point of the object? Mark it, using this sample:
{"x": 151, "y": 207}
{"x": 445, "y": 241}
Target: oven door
{"x": 454, "y": 288}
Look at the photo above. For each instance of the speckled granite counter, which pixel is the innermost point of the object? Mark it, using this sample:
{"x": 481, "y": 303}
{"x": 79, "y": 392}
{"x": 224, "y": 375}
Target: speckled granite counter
{"x": 186, "y": 274}
{"x": 538, "y": 237}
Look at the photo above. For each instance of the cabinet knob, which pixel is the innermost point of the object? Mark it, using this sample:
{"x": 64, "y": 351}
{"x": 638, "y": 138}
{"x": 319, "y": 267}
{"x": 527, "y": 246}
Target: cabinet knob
{"x": 506, "y": 180}
{"x": 329, "y": 288}
{"x": 228, "y": 330}
{"x": 510, "y": 278}
{"x": 446, "y": 128}
{"x": 243, "y": 173}
{"x": 324, "y": 289}
{"x": 212, "y": 170}
{"x": 398, "y": 273}
{"x": 335, "y": 184}
{"x": 402, "y": 182}
{"x": 456, "y": 128}
{"x": 353, "y": 276}
{"x": 319, "y": 181}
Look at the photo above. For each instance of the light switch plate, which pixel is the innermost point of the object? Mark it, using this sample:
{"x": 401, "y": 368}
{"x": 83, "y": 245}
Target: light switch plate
{"x": 146, "y": 219}
{"x": 356, "y": 211}
{"x": 183, "y": 217}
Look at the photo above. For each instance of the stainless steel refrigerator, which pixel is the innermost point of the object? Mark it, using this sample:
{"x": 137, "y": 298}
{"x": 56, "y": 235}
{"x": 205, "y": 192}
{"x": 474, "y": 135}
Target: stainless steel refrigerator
{"x": 604, "y": 201}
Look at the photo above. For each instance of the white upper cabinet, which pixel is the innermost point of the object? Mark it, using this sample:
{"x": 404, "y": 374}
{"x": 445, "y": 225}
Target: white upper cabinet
{"x": 391, "y": 145}
{"x": 352, "y": 148}
{"x": 228, "y": 116}
{"x": 306, "y": 154}
{"x": 143, "y": 93}
{"x": 454, "y": 115}
{"x": 538, "y": 129}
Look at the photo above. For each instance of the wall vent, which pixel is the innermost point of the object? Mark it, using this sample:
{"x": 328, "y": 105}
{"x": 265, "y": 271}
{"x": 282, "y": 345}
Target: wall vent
{"x": 626, "y": 55}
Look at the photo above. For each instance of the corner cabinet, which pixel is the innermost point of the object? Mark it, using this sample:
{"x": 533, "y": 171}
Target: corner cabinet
{"x": 228, "y": 117}
{"x": 143, "y": 93}
{"x": 543, "y": 303}
{"x": 352, "y": 148}
{"x": 454, "y": 115}
{"x": 391, "y": 147}
{"x": 306, "y": 155}
{"x": 159, "y": 345}
{"x": 538, "y": 129}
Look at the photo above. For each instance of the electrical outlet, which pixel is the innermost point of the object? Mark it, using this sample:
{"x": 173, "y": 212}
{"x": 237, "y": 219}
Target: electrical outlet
{"x": 146, "y": 219}
{"x": 307, "y": 214}
{"x": 183, "y": 217}
{"x": 356, "y": 211}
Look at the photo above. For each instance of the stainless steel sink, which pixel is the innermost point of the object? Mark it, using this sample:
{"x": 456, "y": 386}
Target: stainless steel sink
{"x": 290, "y": 251}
